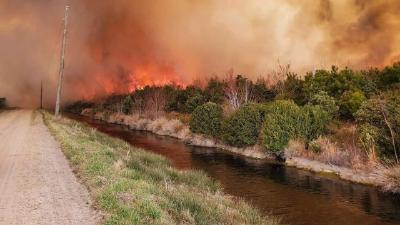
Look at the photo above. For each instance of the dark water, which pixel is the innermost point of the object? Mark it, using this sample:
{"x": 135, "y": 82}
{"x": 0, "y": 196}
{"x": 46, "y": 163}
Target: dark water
{"x": 299, "y": 197}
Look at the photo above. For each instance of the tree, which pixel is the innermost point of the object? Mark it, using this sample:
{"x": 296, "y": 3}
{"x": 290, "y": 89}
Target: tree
{"x": 238, "y": 90}
{"x": 327, "y": 103}
{"x": 350, "y": 102}
{"x": 214, "y": 92}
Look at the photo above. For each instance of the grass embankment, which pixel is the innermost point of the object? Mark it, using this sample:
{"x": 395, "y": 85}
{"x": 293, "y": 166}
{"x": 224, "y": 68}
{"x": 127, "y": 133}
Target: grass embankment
{"x": 132, "y": 186}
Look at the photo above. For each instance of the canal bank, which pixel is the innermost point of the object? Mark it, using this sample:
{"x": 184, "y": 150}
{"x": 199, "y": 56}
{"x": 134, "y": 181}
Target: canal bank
{"x": 175, "y": 128}
{"x": 300, "y": 197}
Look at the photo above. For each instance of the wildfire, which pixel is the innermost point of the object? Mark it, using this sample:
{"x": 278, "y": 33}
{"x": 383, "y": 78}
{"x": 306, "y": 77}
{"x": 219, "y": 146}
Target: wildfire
{"x": 151, "y": 74}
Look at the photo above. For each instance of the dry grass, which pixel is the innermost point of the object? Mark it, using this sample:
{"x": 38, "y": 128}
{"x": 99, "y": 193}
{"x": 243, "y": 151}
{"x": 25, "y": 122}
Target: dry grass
{"x": 330, "y": 152}
{"x": 392, "y": 182}
{"x": 132, "y": 186}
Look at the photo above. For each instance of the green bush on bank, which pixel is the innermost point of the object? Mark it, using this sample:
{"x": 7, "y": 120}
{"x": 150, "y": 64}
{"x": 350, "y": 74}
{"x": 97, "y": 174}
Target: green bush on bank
{"x": 207, "y": 119}
{"x": 327, "y": 103}
{"x": 282, "y": 123}
{"x": 242, "y": 128}
{"x": 285, "y": 121}
{"x": 379, "y": 124}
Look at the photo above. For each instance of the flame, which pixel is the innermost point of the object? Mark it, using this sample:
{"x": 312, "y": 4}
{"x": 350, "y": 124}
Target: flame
{"x": 153, "y": 75}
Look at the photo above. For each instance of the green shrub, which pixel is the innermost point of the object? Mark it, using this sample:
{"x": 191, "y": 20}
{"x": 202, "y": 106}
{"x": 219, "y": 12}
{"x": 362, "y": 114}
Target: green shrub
{"x": 127, "y": 105}
{"x": 381, "y": 115}
{"x": 285, "y": 121}
{"x": 193, "y": 102}
{"x": 242, "y": 128}
{"x": 315, "y": 120}
{"x": 282, "y": 123}
{"x": 207, "y": 119}
{"x": 327, "y": 103}
{"x": 350, "y": 102}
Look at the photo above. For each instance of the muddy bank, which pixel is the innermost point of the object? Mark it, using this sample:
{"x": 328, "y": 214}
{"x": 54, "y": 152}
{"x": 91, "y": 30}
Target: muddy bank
{"x": 177, "y": 129}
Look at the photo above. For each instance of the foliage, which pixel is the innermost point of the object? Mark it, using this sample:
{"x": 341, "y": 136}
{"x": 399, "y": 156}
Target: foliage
{"x": 242, "y": 128}
{"x": 207, "y": 119}
{"x": 214, "y": 92}
{"x": 285, "y": 121}
{"x": 390, "y": 77}
{"x": 335, "y": 82}
{"x": 382, "y": 114}
{"x": 261, "y": 93}
{"x": 350, "y": 102}
{"x": 327, "y": 103}
{"x": 127, "y": 105}
{"x": 282, "y": 123}
{"x": 291, "y": 89}
{"x": 315, "y": 120}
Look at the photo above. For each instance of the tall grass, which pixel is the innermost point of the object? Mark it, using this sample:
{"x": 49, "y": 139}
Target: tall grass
{"x": 132, "y": 186}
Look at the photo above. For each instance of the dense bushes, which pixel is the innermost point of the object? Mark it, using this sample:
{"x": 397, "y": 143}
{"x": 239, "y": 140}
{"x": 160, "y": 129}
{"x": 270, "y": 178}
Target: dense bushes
{"x": 207, "y": 119}
{"x": 285, "y": 121}
{"x": 327, "y": 103}
{"x": 242, "y": 128}
{"x": 379, "y": 120}
{"x": 282, "y": 123}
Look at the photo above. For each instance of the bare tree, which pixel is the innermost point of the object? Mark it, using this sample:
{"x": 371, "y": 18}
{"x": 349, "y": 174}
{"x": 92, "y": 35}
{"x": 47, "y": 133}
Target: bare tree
{"x": 238, "y": 90}
{"x": 391, "y": 130}
{"x": 155, "y": 100}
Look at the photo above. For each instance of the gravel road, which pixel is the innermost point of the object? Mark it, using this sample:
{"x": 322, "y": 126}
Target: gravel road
{"x": 37, "y": 186}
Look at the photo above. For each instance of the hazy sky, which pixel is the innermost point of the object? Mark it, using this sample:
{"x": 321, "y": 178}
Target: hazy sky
{"x": 114, "y": 46}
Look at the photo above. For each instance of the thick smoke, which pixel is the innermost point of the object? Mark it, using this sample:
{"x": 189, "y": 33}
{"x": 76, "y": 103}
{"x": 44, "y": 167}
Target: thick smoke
{"x": 116, "y": 46}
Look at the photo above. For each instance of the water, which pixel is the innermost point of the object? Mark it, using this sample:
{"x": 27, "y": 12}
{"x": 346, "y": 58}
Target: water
{"x": 299, "y": 197}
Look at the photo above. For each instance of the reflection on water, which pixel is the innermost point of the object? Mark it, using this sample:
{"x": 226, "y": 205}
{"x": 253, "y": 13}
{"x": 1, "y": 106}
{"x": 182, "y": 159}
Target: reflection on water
{"x": 299, "y": 197}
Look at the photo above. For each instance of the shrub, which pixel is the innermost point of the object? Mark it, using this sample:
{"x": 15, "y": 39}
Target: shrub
{"x": 390, "y": 77}
{"x": 291, "y": 89}
{"x": 242, "y": 128}
{"x": 382, "y": 116}
{"x": 285, "y": 121}
{"x": 335, "y": 82}
{"x": 127, "y": 105}
{"x": 350, "y": 102}
{"x": 193, "y": 102}
{"x": 327, "y": 103}
{"x": 315, "y": 120}
{"x": 282, "y": 123}
{"x": 207, "y": 119}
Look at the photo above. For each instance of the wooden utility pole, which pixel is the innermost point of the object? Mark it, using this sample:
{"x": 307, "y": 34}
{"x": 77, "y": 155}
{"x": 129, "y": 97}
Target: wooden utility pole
{"x": 61, "y": 71}
{"x": 41, "y": 94}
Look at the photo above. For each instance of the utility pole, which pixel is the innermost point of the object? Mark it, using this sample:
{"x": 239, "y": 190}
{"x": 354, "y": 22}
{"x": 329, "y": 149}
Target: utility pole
{"x": 61, "y": 72}
{"x": 41, "y": 94}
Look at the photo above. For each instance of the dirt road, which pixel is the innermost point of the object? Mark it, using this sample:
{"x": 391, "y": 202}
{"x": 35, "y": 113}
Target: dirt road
{"x": 37, "y": 186}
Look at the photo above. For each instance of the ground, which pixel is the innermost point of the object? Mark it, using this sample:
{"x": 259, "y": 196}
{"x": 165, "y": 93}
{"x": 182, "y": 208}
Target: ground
{"x": 37, "y": 185}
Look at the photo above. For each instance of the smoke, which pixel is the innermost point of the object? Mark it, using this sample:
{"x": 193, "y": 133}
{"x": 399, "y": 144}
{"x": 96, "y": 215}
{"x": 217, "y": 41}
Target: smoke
{"x": 120, "y": 45}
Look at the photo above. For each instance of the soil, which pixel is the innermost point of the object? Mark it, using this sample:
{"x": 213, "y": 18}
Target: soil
{"x": 37, "y": 186}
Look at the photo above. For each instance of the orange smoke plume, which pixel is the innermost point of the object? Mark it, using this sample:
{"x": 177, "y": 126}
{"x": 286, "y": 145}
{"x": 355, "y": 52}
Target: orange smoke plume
{"x": 117, "y": 46}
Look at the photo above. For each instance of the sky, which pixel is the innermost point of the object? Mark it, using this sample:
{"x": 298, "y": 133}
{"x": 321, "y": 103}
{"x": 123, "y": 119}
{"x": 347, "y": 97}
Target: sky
{"x": 117, "y": 46}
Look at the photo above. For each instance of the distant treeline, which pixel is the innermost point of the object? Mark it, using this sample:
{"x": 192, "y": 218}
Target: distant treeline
{"x": 3, "y": 103}
{"x": 243, "y": 112}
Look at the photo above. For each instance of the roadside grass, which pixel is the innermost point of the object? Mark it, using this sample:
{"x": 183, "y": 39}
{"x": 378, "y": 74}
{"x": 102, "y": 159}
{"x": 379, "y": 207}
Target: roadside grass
{"x": 132, "y": 186}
